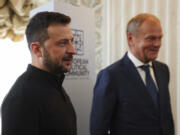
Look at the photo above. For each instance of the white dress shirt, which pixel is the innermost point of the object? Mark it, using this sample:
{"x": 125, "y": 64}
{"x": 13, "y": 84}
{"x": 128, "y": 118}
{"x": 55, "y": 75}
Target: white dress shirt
{"x": 142, "y": 73}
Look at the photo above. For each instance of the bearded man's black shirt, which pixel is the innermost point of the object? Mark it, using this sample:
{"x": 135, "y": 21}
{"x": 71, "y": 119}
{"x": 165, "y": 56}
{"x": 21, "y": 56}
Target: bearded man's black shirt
{"x": 38, "y": 105}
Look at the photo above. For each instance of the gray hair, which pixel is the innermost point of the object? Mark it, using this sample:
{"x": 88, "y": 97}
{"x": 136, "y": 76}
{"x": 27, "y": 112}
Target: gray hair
{"x": 134, "y": 24}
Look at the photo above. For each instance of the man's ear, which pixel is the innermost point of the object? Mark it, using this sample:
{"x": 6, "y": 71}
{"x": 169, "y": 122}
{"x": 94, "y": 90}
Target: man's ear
{"x": 130, "y": 38}
{"x": 36, "y": 49}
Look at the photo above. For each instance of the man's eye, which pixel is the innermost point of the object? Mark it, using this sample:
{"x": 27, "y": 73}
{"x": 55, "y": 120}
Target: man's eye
{"x": 151, "y": 38}
{"x": 62, "y": 43}
{"x": 65, "y": 42}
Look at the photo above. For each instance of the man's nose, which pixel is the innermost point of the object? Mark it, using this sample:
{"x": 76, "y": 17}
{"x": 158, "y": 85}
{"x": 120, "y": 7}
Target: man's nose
{"x": 71, "y": 49}
{"x": 157, "y": 42}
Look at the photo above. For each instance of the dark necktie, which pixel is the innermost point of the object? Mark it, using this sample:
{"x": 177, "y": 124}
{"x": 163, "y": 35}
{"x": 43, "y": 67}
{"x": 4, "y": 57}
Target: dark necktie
{"x": 150, "y": 84}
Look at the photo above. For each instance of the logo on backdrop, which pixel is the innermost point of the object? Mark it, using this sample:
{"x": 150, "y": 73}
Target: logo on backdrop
{"x": 78, "y": 41}
{"x": 80, "y": 64}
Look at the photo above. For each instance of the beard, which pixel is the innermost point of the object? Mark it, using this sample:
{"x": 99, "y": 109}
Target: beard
{"x": 53, "y": 66}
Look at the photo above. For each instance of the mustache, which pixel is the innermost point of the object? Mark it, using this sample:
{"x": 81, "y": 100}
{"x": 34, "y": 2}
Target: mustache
{"x": 68, "y": 57}
{"x": 155, "y": 48}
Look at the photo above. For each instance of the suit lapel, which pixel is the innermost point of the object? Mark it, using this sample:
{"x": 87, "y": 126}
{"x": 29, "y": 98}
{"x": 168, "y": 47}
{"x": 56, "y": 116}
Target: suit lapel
{"x": 158, "y": 76}
{"x": 131, "y": 72}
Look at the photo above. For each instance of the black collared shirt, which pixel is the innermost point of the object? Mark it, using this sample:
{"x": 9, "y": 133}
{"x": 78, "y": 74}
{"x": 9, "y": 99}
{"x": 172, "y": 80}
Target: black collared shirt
{"x": 38, "y": 105}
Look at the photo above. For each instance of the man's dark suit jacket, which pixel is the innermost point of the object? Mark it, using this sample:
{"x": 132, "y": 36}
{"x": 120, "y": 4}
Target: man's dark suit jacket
{"x": 38, "y": 105}
{"x": 123, "y": 106}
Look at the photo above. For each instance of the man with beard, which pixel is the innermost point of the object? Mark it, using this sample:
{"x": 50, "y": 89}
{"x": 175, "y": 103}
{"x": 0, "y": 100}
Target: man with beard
{"x": 131, "y": 96}
{"x": 37, "y": 103}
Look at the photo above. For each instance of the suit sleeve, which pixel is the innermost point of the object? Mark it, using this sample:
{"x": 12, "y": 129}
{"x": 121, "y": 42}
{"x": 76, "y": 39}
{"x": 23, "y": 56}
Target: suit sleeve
{"x": 19, "y": 117}
{"x": 103, "y": 105}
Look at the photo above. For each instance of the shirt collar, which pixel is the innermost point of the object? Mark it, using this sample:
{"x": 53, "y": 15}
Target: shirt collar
{"x": 136, "y": 61}
{"x": 44, "y": 74}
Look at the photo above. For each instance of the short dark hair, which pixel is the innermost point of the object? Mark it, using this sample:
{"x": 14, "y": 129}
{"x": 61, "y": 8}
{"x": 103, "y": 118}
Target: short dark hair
{"x": 36, "y": 30}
